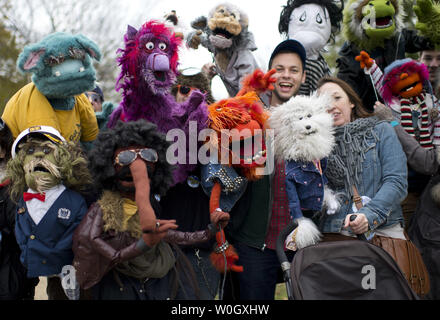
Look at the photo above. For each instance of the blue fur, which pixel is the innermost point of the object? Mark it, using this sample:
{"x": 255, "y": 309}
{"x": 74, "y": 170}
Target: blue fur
{"x": 69, "y": 83}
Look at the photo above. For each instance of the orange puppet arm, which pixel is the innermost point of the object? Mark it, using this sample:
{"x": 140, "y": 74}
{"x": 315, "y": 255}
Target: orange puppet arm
{"x": 224, "y": 255}
{"x": 364, "y": 59}
{"x": 258, "y": 82}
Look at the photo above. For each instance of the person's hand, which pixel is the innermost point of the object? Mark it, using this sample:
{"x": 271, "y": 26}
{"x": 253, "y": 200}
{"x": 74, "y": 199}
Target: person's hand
{"x": 162, "y": 226}
{"x": 359, "y": 225}
{"x": 382, "y": 112}
{"x": 220, "y": 218}
{"x": 364, "y": 60}
{"x": 209, "y": 70}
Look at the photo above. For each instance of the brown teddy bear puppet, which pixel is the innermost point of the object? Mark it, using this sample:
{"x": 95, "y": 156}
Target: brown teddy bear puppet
{"x": 225, "y": 34}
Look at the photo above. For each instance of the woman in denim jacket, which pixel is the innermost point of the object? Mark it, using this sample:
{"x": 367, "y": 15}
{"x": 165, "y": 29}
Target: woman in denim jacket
{"x": 367, "y": 155}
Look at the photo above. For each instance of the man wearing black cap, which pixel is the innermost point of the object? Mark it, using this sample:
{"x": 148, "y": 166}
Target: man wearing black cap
{"x": 288, "y": 59}
{"x": 263, "y": 210}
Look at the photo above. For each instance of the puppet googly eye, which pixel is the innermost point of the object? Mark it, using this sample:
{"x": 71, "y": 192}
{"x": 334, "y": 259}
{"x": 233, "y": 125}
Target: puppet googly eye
{"x": 309, "y": 115}
{"x": 318, "y": 19}
{"x": 149, "y": 46}
{"x": 303, "y": 17}
{"x": 162, "y": 46}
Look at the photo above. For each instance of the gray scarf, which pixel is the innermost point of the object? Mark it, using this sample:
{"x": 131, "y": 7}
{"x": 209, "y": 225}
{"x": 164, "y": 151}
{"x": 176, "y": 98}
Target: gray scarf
{"x": 344, "y": 167}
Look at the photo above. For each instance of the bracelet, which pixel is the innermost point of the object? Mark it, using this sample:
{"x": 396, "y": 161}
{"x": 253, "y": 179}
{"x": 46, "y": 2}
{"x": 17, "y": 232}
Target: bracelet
{"x": 394, "y": 123}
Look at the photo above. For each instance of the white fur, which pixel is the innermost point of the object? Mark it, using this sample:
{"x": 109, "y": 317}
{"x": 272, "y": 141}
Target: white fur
{"x": 331, "y": 201}
{"x": 289, "y": 122}
{"x": 307, "y": 233}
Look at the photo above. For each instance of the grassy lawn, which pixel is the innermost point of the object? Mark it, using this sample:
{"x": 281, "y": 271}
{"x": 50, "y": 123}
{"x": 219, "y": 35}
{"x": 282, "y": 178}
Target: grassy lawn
{"x": 280, "y": 292}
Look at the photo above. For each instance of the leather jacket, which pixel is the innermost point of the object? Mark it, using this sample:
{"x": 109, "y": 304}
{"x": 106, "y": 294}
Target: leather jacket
{"x": 97, "y": 252}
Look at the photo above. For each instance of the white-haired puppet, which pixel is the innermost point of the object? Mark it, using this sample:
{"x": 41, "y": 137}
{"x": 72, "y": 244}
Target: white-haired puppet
{"x": 304, "y": 138}
{"x": 225, "y": 34}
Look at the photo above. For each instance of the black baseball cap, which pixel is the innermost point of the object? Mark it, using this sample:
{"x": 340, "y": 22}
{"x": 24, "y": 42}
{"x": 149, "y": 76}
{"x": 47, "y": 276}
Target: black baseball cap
{"x": 290, "y": 45}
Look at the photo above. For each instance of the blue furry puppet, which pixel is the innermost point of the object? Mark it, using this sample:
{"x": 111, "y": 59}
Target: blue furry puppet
{"x": 61, "y": 67}
{"x": 225, "y": 34}
{"x": 304, "y": 139}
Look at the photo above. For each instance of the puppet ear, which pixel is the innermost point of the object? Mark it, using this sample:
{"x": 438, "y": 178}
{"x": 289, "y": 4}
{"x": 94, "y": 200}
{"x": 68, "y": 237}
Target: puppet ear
{"x": 131, "y": 33}
{"x": 200, "y": 23}
{"x": 28, "y": 59}
{"x": 91, "y": 48}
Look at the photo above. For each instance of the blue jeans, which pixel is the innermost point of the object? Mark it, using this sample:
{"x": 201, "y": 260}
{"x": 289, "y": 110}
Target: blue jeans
{"x": 262, "y": 272}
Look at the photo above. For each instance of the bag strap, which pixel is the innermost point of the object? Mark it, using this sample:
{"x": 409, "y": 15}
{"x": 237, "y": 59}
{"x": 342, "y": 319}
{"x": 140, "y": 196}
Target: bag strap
{"x": 357, "y": 198}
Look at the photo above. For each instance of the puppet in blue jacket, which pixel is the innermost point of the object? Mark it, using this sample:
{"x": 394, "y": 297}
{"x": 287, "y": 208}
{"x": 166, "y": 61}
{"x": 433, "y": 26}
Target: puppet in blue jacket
{"x": 304, "y": 139}
{"x": 46, "y": 173}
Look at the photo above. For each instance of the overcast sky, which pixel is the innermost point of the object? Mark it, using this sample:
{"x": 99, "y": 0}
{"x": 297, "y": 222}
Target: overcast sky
{"x": 263, "y": 23}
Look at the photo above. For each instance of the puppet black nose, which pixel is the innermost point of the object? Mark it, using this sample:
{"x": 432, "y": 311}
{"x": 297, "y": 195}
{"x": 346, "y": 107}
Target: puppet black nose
{"x": 308, "y": 127}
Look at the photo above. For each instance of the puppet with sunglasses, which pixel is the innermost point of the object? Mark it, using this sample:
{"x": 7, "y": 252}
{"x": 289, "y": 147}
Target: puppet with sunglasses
{"x": 188, "y": 80}
{"x": 46, "y": 174}
{"x": 122, "y": 242}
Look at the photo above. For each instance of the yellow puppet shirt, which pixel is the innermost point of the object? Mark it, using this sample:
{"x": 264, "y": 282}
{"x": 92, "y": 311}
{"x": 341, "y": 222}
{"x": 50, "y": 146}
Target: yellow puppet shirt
{"x": 29, "y": 107}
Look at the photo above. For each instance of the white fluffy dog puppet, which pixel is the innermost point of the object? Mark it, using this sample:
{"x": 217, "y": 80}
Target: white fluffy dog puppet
{"x": 304, "y": 138}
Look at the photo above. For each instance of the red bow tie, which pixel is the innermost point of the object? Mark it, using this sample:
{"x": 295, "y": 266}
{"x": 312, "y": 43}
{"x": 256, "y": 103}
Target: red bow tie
{"x": 29, "y": 196}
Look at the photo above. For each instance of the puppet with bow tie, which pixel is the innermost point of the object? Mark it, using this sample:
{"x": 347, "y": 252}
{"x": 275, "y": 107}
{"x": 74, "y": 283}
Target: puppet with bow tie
{"x": 46, "y": 173}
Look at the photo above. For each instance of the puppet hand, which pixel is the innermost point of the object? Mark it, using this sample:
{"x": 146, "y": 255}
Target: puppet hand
{"x": 220, "y": 218}
{"x": 257, "y": 81}
{"x": 261, "y": 81}
{"x": 195, "y": 40}
{"x": 382, "y": 112}
{"x": 331, "y": 201}
{"x": 152, "y": 238}
{"x": 364, "y": 59}
{"x": 428, "y": 15}
{"x": 195, "y": 99}
{"x": 209, "y": 70}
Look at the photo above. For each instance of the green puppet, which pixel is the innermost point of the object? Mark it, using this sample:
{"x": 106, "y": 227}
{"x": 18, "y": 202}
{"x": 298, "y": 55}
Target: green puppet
{"x": 62, "y": 70}
{"x": 376, "y": 26}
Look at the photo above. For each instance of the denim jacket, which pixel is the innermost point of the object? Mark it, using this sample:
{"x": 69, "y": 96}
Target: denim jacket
{"x": 233, "y": 185}
{"x": 384, "y": 180}
{"x": 304, "y": 186}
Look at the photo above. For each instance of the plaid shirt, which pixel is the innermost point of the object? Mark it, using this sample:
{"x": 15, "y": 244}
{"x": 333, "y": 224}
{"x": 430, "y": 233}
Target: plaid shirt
{"x": 280, "y": 208}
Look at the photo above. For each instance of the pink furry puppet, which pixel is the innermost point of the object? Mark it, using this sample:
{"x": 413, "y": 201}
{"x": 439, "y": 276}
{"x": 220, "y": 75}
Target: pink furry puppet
{"x": 404, "y": 87}
{"x": 148, "y": 70}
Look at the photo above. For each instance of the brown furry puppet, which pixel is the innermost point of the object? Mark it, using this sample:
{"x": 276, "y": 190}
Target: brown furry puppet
{"x": 122, "y": 232}
{"x": 225, "y": 34}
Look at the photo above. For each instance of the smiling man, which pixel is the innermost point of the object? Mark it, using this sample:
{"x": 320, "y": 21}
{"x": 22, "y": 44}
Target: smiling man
{"x": 288, "y": 59}
{"x": 255, "y": 229}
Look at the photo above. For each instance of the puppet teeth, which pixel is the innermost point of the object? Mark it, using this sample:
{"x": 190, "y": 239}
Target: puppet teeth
{"x": 81, "y": 69}
{"x": 57, "y": 74}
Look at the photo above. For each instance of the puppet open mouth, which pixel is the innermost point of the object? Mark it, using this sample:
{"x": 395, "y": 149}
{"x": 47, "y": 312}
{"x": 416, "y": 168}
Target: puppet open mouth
{"x": 223, "y": 33}
{"x": 41, "y": 169}
{"x": 308, "y": 133}
{"x": 409, "y": 88}
{"x": 383, "y": 22}
{"x": 160, "y": 76}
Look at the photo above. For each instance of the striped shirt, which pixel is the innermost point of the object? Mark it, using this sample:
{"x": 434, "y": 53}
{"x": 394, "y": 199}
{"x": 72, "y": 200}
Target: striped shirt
{"x": 315, "y": 70}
